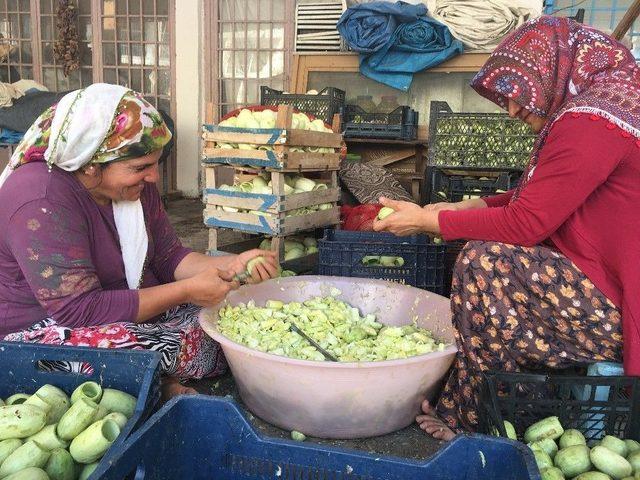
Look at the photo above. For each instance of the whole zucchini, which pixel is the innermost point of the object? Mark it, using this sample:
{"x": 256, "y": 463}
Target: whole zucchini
{"x": 593, "y": 476}
{"x": 546, "y": 444}
{"x": 28, "y": 455}
{"x": 571, "y": 437}
{"x": 615, "y": 445}
{"x": 551, "y": 473}
{"x": 30, "y": 473}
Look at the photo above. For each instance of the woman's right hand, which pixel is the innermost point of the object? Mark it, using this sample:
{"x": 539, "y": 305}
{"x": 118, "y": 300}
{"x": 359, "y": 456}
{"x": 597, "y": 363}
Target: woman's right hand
{"x": 209, "y": 287}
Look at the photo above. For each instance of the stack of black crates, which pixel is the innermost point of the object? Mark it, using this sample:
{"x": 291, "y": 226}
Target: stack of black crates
{"x": 472, "y": 155}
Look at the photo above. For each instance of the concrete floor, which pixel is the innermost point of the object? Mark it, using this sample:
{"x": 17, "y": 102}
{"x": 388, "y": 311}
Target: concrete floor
{"x": 410, "y": 442}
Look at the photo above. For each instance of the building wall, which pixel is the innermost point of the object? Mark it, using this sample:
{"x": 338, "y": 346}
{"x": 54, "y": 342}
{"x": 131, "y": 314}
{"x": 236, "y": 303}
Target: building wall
{"x": 188, "y": 92}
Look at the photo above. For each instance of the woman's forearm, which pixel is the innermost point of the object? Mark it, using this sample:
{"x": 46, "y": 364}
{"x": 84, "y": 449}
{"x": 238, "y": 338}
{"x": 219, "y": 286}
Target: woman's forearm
{"x": 156, "y": 300}
{"x": 195, "y": 263}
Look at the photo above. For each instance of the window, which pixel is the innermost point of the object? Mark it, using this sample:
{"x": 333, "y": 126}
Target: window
{"x": 251, "y": 45}
{"x": 52, "y": 71}
{"x": 16, "y": 48}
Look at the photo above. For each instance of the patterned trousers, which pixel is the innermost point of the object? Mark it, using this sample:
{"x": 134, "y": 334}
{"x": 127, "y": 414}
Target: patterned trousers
{"x": 186, "y": 350}
{"x": 521, "y": 308}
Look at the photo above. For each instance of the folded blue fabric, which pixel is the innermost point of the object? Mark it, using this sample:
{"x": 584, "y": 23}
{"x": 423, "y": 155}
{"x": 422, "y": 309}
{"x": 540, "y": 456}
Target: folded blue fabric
{"x": 413, "y": 47}
{"x": 10, "y": 136}
{"x": 366, "y": 27}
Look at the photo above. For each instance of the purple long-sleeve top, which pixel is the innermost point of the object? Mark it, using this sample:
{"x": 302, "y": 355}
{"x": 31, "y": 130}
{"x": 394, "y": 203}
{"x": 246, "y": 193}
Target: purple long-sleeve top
{"x": 60, "y": 253}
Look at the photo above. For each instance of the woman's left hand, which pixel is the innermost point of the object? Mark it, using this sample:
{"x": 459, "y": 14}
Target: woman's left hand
{"x": 407, "y": 219}
{"x": 261, "y": 271}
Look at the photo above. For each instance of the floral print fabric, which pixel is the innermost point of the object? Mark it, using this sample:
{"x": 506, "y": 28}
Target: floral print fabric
{"x": 187, "y": 351}
{"x": 136, "y": 130}
{"x": 521, "y": 308}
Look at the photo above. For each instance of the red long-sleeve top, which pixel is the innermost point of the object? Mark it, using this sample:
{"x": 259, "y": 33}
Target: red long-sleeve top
{"x": 584, "y": 196}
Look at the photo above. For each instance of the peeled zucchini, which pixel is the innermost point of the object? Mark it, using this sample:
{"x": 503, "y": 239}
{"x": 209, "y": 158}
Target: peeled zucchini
{"x": 615, "y": 445}
{"x": 21, "y": 421}
{"x": 610, "y": 462}
{"x": 573, "y": 460}
{"x": 551, "y": 473}
{"x": 571, "y": 437}
{"x": 549, "y": 427}
{"x": 593, "y": 476}
{"x": 547, "y": 445}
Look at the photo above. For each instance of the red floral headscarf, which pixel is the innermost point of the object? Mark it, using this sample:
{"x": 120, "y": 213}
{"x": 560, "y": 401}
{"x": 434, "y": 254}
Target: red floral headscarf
{"x": 553, "y": 65}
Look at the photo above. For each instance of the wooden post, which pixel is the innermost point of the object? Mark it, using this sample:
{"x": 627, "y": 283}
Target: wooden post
{"x": 627, "y": 20}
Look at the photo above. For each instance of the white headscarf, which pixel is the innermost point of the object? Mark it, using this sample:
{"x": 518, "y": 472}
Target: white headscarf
{"x": 72, "y": 145}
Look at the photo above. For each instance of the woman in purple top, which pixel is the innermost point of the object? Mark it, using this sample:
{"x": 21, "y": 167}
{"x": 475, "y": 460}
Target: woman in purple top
{"x": 88, "y": 256}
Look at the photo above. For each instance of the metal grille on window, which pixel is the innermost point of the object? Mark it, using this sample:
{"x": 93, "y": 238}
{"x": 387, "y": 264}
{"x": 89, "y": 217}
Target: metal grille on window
{"x": 253, "y": 49}
{"x": 52, "y": 72}
{"x": 136, "y": 53}
{"x": 16, "y": 57}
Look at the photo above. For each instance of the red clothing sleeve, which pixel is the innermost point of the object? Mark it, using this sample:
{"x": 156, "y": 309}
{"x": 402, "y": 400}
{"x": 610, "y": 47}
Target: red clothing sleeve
{"x": 577, "y": 157}
{"x": 51, "y": 245}
{"x": 499, "y": 200}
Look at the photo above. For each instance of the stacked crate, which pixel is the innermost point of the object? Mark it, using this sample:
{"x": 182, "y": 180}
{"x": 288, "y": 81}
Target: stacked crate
{"x": 276, "y": 214}
{"x": 471, "y": 155}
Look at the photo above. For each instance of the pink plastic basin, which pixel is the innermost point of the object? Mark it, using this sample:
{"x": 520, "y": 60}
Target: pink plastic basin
{"x": 340, "y": 400}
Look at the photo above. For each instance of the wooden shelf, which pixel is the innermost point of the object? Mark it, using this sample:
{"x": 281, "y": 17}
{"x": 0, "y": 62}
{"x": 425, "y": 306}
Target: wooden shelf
{"x": 349, "y": 62}
{"x": 385, "y": 141}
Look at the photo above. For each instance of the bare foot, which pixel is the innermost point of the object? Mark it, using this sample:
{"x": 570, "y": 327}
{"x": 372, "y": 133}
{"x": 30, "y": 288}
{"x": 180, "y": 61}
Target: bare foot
{"x": 430, "y": 423}
{"x": 171, "y": 387}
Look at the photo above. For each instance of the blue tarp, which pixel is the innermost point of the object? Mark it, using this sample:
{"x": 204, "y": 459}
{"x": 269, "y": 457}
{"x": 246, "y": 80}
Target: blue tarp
{"x": 367, "y": 27}
{"x": 396, "y": 40}
{"x": 10, "y": 136}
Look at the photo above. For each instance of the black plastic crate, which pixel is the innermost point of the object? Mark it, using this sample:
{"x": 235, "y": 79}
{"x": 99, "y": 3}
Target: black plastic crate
{"x": 452, "y": 250}
{"x": 596, "y": 406}
{"x": 399, "y": 124}
{"x": 477, "y": 140}
{"x": 324, "y": 105}
{"x": 341, "y": 253}
{"x": 451, "y": 187}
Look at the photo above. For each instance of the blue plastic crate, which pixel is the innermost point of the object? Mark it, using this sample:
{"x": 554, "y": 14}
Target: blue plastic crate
{"x": 136, "y": 372}
{"x": 199, "y": 437}
{"x": 341, "y": 253}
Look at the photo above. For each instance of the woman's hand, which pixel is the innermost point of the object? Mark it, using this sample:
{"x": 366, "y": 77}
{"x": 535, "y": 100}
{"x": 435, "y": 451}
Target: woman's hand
{"x": 209, "y": 287}
{"x": 261, "y": 271}
{"x": 407, "y": 219}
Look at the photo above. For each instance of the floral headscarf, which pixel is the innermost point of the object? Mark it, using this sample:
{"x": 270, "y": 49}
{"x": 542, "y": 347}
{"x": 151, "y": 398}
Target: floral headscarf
{"x": 554, "y": 65}
{"x": 137, "y": 129}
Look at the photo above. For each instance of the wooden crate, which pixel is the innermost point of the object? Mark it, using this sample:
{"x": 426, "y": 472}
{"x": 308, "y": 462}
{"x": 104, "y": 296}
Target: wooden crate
{"x": 274, "y": 203}
{"x": 270, "y": 224}
{"x": 281, "y": 139}
{"x": 298, "y": 265}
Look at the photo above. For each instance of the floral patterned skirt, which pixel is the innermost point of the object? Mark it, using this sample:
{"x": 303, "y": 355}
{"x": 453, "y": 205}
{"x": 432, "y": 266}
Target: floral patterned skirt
{"x": 521, "y": 308}
{"x": 186, "y": 350}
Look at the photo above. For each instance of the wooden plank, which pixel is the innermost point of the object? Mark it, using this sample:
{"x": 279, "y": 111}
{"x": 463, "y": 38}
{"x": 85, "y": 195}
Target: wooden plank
{"x": 392, "y": 157}
{"x": 305, "y": 63}
{"x": 271, "y": 160}
{"x": 269, "y": 203}
{"x": 270, "y": 224}
{"x": 255, "y": 136}
{"x": 307, "y": 138}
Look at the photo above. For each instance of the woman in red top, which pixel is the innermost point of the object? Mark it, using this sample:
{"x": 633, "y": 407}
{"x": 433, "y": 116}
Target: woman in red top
{"x": 550, "y": 278}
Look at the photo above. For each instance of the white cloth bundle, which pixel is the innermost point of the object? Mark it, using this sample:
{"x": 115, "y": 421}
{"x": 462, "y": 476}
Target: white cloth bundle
{"x": 481, "y": 24}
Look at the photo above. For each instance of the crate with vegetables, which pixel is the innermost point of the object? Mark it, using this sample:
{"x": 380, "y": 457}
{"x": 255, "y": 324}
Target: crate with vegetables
{"x": 415, "y": 260}
{"x": 59, "y": 425}
{"x": 270, "y": 202}
{"x": 578, "y": 427}
{"x": 273, "y": 138}
{"x": 464, "y": 140}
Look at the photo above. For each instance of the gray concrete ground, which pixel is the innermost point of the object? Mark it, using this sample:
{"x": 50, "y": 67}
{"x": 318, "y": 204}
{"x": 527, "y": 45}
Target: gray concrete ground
{"x": 411, "y": 442}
